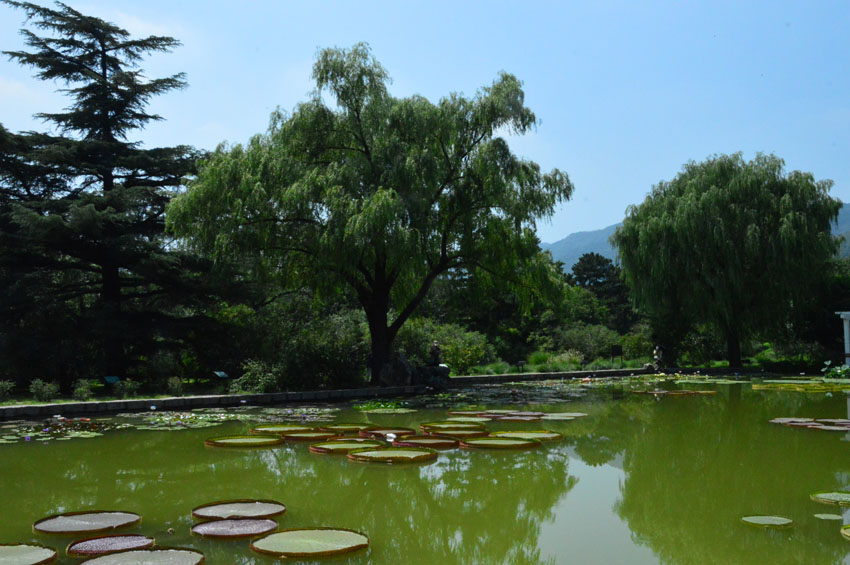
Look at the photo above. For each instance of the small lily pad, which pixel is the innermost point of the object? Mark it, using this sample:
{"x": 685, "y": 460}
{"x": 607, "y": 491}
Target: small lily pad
{"x": 829, "y": 517}
{"x": 841, "y": 498}
{"x": 499, "y": 443}
{"x": 231, "y": 529}
{"x": 375, "y": 431}
{"x": 158, "y": 556}
{"x": 310, "y": 543}
{"x": 343, "y": 446}
{"x": 240, "y": 508}
{"x": 539, "y": 435}
{"x": 81, "y": 522}
{"x": 256, "y": 440}
{"x": 314, "y": 435}
{"x": 430, "y": 441}
{"x": 393, "y": 455}
{"x": 107, "y": 544}
{"x": 279, "y": 428}
{"x": 768, "y": 521}
{"x": 26, "y": 554}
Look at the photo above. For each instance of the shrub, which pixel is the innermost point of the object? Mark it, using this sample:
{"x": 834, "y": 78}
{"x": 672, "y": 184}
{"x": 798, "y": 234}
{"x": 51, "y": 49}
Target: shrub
{"x": 461, "y": 349}
{"x": 837, "y": 372}
{"x": 638, "y": 342}
{"x": 175, "y": 386}
{"x": 43, "y": 391}
{"x": 258, "y": 377}
{"x": 82, "y": 390}
{"x": 6, "y": 388}
{"x": 591, "y": 340}
{"x": 127, "y": 388}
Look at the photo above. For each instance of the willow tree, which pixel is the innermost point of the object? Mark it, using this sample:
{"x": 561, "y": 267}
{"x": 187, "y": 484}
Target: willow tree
{"x": 376, "y": 194}
{"x": 729, "y": 242}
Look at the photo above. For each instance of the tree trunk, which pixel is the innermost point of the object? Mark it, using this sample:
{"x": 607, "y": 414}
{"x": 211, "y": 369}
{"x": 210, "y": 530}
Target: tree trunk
{"x": 733, "y": 348}
{"x": 376, "y": 315}
{"x": 113, "y": 343}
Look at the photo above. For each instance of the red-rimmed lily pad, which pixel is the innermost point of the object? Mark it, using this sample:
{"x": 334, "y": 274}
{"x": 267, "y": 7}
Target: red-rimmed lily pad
{"x": 834, "y": 421}
{"x": 845, "y": 531}
{"x": 458, "y": 434}
{"x": 787, "y": 421}
{"x": 562, "y": 415}
{"x": 393, "y": 455}
{"x": 157, "y": 556}
{"x": 107, "y": 544}
{"x": 238, "y": 508}
{"x": 26, "y": 554}
{"x": 382, "y": 432}
{"x": 519, "y": 418}
{"x": 85, "y": 522}
{"x": 231, "y": 529}
{"x": 470, "y": 419}
{"x": 256, "y": 440}
{"x": 449, "y": 425}
{"x": 430, "y": 441}
{"x": 464, "y": 412}
{"x": 280, "y": 428}
{"x": 345, "y": 428}
{"x": 310, "y": 543}
{"x": 314, "y": 435}
{"x": 778, "y": 522}
{"x": 344, "y": 445}
{"x": 499, "y": 443}
{"x": 539, "y": 435}
{"x": 840, "y": 498}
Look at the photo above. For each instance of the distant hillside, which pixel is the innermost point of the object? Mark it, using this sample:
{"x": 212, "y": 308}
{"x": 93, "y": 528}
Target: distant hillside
{"x": 569, "y": 249}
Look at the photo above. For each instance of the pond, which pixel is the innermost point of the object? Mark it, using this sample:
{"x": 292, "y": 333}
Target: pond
{"x": 642, "y": 478}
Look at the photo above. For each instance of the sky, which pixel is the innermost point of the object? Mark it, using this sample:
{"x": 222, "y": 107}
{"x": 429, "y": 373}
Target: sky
{"x": 625, "y": 92}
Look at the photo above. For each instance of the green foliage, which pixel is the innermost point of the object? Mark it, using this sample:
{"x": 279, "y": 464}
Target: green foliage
{"x": 127, "y": 388}
{"x": 258, "y": 377}
{"x": 378, "y": 405}
{"x": 82, "y": 390}
{"x": 175, "y": 386}
{"x": 591, "y": 340}
{"x": 725, "y": 243}
{"x": 376, "y": 194}
{"x": 461, "y": 349}
{"x": 638, "y": 342}
{"x": 836, "y": 372}
{"x": 6, "y": 389}
{"x": 43, "y": 391}
{"x": 600, "y": 276}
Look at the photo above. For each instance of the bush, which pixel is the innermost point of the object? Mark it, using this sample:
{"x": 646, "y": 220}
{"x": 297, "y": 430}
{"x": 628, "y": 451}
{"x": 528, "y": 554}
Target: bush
{"x": 638, "y": 342}
{"x": 82, "y": 390}
{"x": 6, "y": 388}
{"x": 258, "y": 377}
{"x": 175, "y": 386}
{"x": 43, "y": 391}
{"x": 127, "y": 388}
{"x": 836, "y": 372}
{"x": 591, "y": 340}
{"x": 461, "y": 349}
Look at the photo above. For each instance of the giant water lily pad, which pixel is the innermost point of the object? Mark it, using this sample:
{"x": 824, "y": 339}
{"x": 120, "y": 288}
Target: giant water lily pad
{"x": 345, "y": 428}
{"x": 430, "y": 441}
{"x": 240, "y": 508}
{"x": 238, "y": 528}
{"x": 499, "y": 443}
{"x": 539, "y": 435}
{"x": 25, "y": 554}
{"x": 256, "y": 440}
{"x": 845, "y": 531}
{"x": 437, "y": 426}
{"x": 519, "y": 418}
{"x": 829, "y": 517}
{"x": 343, "y": 446}
{"x": 562, "y": 415}
{"x": 279, "y": 428}
{"x": 107, "y": 544}
{"x": 470, "y": 419}
{"x": 394, "y": 455}
{"x": 768, "y": 521}
{"x": 313, "y": 435}
{"x": 158, "y": 556}
{"x": 380, "y": 432}
{"x": 310, "y": 543}
{"x": 82, "y": 522}
{"x": 458, "y": 434}
{"x": 840, "y": 498}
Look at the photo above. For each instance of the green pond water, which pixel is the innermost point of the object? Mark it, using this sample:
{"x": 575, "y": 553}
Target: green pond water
{"x": 638, "y": 480}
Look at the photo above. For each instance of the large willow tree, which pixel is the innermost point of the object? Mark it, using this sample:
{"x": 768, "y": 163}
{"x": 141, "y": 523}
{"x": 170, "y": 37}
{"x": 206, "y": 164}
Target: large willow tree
{"x": 376, "y": 194}
{"x": 729, "y": 242}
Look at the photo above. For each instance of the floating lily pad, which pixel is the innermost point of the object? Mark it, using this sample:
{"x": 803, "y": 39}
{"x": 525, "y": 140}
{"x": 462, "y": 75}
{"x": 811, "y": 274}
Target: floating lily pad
{"x": 519, "y": 418}
{"x": 387, "y": 410}
{"x": 256, "y": 440}
{"x": 437, "y": 426}
{"x": 499, "y": 443}
{"x": 107, "y": 544}
{"x": 829, "y": 517}
{"x": 375, "y": 431}
{"x": 26, "y": 554}
{"x": 469, "y": 419}
{"x": 458, "y": 434}
{"x": 231, "y": 529}
{"x": 158, "y": 556}
{"x": 841, "y": 498}
{"x": 539, "y": 435}
{"x": 498, "y": 412}
{"x": 788, "y": 421}
{"x": 314, "y": 435}
{"x": 562, "y": 415}
{"x": 80, "y": 522}
{"x": 845, "y": 531}
{"x": 430, "y": 441}
{"x": 834, "y": 421}
{"x": 345, "y": 428}
{"x": 343, "y": 446}
{"x": 393, "y": 455}
{"x": 279, "y": 428}
{"x": 240, "y": 508}
{"x": 464, "y": 413}
{"x": 310, "y": 543}
{"x": 768, "y": 521}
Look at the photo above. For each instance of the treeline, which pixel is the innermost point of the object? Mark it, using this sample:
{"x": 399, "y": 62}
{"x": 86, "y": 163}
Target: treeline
{"x": 349, "y": 233}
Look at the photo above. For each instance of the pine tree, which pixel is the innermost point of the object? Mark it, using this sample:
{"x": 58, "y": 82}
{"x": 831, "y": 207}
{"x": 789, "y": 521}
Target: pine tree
{"x": 82, "y": 210}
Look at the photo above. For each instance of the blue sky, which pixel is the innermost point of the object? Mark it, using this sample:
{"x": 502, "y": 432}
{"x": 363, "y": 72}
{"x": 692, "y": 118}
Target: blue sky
{"x": 626, "y": 92}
